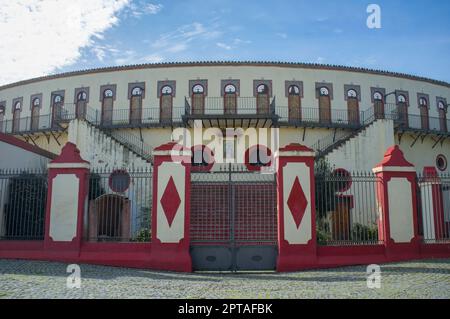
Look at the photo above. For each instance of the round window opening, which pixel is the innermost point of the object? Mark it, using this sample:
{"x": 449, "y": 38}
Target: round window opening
{"x": 441, "y": 162}
{"x": 119, "y": 181}
{"x": 343, "y": 180}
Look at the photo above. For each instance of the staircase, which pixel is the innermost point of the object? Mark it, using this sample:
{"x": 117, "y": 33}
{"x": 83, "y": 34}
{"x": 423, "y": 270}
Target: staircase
{"x": 334, "y": 141}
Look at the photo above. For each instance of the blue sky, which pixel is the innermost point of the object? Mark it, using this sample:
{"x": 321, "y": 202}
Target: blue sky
{"x": 414, "y": 38}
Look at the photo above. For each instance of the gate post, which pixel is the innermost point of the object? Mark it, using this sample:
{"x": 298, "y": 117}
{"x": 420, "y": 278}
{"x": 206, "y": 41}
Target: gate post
{"x": 397, "y": 204}
{"x": 171, "y": 208}
{"x": 66, "y": 202}
{"x": 297, "y": 247}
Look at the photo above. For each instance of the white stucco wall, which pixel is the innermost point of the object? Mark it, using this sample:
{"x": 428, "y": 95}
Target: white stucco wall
{"x": 100, "y": 150}
{"x": 13, "y": 157}
{"x": 365, "y": 150}
{"x": 214, "y": 75}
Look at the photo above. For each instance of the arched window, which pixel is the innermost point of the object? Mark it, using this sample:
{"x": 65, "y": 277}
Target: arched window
{"x": 17, "y": 106}
{"x": 198, "y": 89}
{"x": 294, "y": 103}
{"x": 36, "y": 102}
{"x": 198, "y": 99}
{"x": 108, "y": 93}
{"x": 377, "y": 96}
{"x": 230, "y": 89}
{"x": 57, "y": 99}
{"x": 294, "y": 90}
{"x": 352, "y": 94}
{"x": 166, "y": 90}
{"x": 262, "y": 89}
{"x": 423, "y": 101}
{"x": 441, "y": 105}
{"x": 82, "y": 96}
{"x": 137, "y": 91}
{"x": 323, "y": 91}
{"x": 401, "y": 98}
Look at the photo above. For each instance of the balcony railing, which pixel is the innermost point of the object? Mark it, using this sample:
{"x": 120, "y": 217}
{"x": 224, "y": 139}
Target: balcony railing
{"x": 221, "y": 106}
{"x": 214, "y": 107}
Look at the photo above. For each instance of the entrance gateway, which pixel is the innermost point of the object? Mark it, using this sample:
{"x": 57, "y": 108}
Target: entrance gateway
{"x": 233, "y": 222}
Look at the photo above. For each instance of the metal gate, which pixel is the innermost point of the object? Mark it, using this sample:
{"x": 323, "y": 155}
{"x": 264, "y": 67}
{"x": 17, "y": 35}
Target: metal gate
{"x": 233, "y": 219}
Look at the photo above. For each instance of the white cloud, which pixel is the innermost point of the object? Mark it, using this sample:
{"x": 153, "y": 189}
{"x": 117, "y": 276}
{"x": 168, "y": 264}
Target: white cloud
{"x": 179, "y": 40}
{"x": 223, "y": 46}
{"x": 139, "y": 8}
{"x": 40, "y": 36}
{"x": 282, "y": 35}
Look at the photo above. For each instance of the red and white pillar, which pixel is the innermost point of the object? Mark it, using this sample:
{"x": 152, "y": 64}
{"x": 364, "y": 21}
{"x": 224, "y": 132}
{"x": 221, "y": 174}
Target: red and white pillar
{"x": 66, "y": 201}
{"x": 296, "y": 208}
{"x": 432, "y": 202}
{"x": 171, "y": 208}
{"x": 397, "y": 204}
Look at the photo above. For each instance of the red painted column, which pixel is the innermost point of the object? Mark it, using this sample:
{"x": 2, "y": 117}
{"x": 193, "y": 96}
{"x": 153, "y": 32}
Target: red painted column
{"x": 432, "y": 199}
{"x": 66, "y": 201}
{"x": 297, "y": 247}
{"x": 397, "y": 204}
{"x": 171, "y": 208}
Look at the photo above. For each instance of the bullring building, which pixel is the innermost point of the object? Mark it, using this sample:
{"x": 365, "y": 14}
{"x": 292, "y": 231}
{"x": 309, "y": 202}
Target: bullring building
{"x": 350, "y": 122}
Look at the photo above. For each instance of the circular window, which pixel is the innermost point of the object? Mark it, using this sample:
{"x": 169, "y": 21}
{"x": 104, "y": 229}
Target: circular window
{"x": 57, "y": 99}
{"x": 441, "y": 162}
{"x": 377, "y": 96}
{"x": 262, "y": 89}
{"x": 352, "y": 94}
{"x": 198, "y": 89}
{"x": 166, "y": 90}
{"x": 342, "y": 179}
{"x": 258, "y": 156}
{"x": 108, "y": 93}
{"x": 401, "y": 99}
{"x": 119, "y": 181}
{"x": 202, "y": 158}
{"x": 294, "y": 90}
{"x": 82, "y": 96}
{"x": 423, "y": 101}
{"x": 230, "y": 89}
{"x": 137, "y": 91}
{"x": 324, "y": 91}
{"x": 36, "y": 102}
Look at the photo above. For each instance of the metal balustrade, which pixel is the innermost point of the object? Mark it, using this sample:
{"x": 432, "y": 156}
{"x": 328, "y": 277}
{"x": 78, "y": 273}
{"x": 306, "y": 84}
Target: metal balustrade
{"x": 346, "y": 208}
{"x": 433, "y": 207}
{"x": 214, "y": 106}
{"x": 120, "y": 205}
{"x": 23, "y": 196}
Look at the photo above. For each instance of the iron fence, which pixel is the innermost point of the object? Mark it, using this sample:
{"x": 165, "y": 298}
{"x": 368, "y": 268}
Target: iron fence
{"x": 120, "y": 204}
{"x": 231, "y": 205}
{"x": 434, "y": 207}
{"x": 23, "y": 196}
{"x": 238, "y": 106}
{"x": 346, "y": 208}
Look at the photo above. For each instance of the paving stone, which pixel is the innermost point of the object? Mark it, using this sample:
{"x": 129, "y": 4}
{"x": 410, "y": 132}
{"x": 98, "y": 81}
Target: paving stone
{"x": 37, "y": 279}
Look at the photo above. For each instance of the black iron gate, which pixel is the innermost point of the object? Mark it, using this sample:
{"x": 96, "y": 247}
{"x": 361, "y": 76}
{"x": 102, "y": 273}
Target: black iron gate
{"x": 233, "y": 219}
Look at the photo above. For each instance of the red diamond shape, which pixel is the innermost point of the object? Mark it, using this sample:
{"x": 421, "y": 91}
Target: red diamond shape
{"x": 297, "y": 202}
{"x": 170, "y": 201}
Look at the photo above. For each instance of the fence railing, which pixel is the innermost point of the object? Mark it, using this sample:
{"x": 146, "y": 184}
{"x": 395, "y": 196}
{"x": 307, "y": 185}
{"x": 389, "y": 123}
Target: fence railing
{"x": 23, "y": 196}
{"x": 434, "y": 207}
{"x": 120, "y": 204}
{"x": 230, "y": 106}
{"x": 346, "y": 208}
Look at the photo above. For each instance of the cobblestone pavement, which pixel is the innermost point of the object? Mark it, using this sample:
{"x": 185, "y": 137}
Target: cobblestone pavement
{"x": 34, "y": 279}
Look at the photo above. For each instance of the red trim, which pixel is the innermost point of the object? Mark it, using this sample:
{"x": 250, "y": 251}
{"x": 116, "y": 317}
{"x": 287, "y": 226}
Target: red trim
{"x": 255, "y": 148}
{"x": 26, "y": 146}
{"x": 394, "y": 157}
{"x": 295, "y": 257}
{"x": 69, "y": 154}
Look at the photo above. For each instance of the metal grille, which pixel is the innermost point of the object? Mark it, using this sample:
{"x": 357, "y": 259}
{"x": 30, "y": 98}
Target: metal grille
{"x": 120, "y": 204}
{"x": 434, "y": 207}
{"x": 346, "y": 208}
{"x": 23, "y": 196}
{"x": 232, "y": 205}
